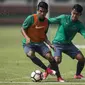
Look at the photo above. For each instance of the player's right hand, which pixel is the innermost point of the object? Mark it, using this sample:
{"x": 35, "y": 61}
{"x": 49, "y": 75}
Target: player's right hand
{"x": 27, "y": 40}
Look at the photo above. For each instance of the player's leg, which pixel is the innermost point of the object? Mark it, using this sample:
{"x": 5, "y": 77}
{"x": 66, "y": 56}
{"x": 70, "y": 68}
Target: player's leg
{"x": 44, "y": 51}
{"x": 75, "y": 53}
{"x": 80, "y": 65}
{"x": 53, "y": 65}
{"x": 30, "y": 52}
{"x": 47, "y": 54}
{"x": 58, "y": 58}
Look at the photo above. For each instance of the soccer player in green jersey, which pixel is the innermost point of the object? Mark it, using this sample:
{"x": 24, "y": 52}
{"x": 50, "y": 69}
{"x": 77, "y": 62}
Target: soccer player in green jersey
{"x": 34, "y": 30}
{"x": 69, "y": 26}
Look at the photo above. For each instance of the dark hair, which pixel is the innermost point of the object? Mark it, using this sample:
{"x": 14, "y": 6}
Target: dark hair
{"x": 78, "y": 8}
{"x": 43, "y": 5}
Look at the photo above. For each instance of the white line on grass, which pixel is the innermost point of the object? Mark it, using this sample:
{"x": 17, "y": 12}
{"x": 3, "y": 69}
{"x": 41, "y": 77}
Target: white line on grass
{"x": 77, "y": 83}
{"x": 80, "y": 46}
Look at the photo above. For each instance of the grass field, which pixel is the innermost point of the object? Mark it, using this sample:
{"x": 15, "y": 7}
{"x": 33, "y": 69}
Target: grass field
{"x": 15, "y": 67}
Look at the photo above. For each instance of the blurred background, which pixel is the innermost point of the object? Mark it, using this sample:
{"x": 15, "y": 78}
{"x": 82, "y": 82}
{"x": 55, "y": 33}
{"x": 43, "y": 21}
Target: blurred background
{"x": 14, "y": 65}
{"x": 15, "y": 11}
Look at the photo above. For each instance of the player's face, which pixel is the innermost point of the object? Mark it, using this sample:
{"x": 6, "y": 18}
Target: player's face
{"x": 42, "y": 12}
{"x": 75, "y": 15}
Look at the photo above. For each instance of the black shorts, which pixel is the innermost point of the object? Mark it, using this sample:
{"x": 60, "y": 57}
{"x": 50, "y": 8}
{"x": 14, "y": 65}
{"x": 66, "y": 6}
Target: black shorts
{"x": 69, "y": 49}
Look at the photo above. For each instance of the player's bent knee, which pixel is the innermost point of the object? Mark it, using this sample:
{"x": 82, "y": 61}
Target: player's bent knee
{"x": 29, "y": 54}
{"x": 49, "y": 56}
{"x": 80, "y": 58}
{"x": 58, "y": 60}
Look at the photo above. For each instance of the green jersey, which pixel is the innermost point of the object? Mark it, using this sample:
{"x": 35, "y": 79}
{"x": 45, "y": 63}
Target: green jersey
{"x": 67, "y": 29}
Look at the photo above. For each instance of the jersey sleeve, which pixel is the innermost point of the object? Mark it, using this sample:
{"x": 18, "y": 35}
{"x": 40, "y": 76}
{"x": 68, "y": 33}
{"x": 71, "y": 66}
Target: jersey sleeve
{"x": 28, "y": 22}
{"x": 56, "y": 20}
{"x": 82, "y": 30}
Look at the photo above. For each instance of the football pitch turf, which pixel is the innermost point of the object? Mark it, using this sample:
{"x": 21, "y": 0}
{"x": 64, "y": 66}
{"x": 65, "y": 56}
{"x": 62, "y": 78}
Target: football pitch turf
{"x": 15, "y": 67}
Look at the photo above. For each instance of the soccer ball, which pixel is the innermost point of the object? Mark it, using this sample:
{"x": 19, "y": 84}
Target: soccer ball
{"x": 36, "y": 76}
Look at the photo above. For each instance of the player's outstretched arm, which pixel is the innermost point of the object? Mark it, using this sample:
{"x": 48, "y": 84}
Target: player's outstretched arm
{"x": 49, "y": 44}
{"x": 25, "y": 35}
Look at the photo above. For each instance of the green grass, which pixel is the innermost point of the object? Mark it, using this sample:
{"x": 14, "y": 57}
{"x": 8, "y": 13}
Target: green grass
{"x": 16, "y": 67}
